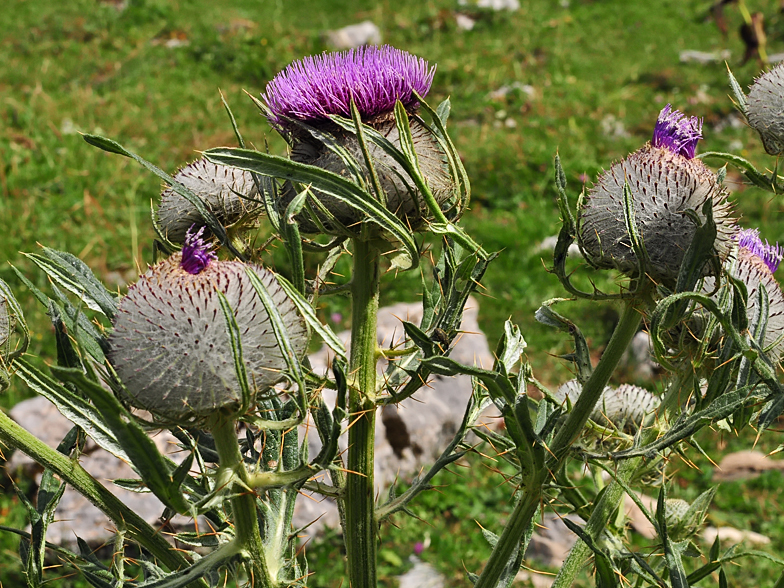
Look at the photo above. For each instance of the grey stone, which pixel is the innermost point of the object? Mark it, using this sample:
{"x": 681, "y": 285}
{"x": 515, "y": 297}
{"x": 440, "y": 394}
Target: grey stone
{"x": 732, "y": 536}
{"x": 356, "y": 35}
{"x": 744, "y": 465}
{"x": 551, "y": 542}
{"x": 411, "y": 434}
{"x": 422, "y": 575}
{"x": 497, "y": 5}
{"x": 464, "y": 22}
{"x": 703, "y": 57}
{"x": 75, "y": 515}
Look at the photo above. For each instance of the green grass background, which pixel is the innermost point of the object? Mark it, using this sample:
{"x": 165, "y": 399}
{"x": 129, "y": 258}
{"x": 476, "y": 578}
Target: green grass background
{"x": 598, "y": 71}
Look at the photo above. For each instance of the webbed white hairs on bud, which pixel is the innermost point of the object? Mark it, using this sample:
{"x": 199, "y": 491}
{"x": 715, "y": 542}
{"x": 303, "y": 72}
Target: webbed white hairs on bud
{"x": 664, "y": 186}
{"x": 624, "y": 406}
{"x": 402, "y": 197}
{"x": 765, "y": 109}
{"x": 171, "y": 348}
{"x": 229, "y": 193}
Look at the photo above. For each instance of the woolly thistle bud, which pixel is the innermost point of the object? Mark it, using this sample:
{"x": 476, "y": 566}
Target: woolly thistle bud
{"x": 229, "y": 193}
{"x": 765, "y": 107}
{"x": 755, "y": 272}
{"x": 665, "y": 184}
{"x": 753, "y": 263}
{"x": 171, "y": 348}
{"x": 375, "y": 78}
{"x": 624, "y": 407}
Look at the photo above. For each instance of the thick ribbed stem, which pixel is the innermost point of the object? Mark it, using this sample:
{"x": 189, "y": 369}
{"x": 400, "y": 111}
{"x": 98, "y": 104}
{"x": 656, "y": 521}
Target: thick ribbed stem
{"x": 69, "y": 470}
{"x": 232, "y": 472}
{"x": 592, "y": 390}
{"x": 360, "y": 534}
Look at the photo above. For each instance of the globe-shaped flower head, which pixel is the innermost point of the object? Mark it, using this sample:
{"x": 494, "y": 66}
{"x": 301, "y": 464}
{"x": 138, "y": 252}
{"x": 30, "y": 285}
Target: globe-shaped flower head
{"x": 171, "y": 348}
{"x": 229, "y": 193}
{"x": 756, "y": 261}
{"x": 667, "y": 186}
{"x": 312, "y": 90}
{"x": 765, "y": 109}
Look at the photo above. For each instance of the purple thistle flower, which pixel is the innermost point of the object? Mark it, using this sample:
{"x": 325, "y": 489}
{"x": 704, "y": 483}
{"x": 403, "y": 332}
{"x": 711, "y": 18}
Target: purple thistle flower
{"x": 196, "y": 254}
{"x": 677, "y": 132}
{"x": 319, "y": 86}
{"x": 770, "y": 254}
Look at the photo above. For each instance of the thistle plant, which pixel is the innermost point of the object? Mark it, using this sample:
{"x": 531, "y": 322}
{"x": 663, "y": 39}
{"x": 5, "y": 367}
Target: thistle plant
{"x": 212, "y": 346}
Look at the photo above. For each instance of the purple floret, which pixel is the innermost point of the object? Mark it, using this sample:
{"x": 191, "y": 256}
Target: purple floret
{"x": 677, "y": 132}
{"x": 196, "y": 255}
{"x": 375, "y": 77}
{"x": 770, "y": 254}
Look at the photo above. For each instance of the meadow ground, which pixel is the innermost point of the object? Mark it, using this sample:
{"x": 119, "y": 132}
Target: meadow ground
{"x": 583, "y": 78}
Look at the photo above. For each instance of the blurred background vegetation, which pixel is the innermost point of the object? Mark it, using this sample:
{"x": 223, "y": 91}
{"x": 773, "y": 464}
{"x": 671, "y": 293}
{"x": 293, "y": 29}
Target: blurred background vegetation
{"x": 584, "y": 78}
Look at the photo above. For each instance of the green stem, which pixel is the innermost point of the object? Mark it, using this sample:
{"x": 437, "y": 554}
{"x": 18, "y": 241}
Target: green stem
{"x": 360, "y": 531}
{"x": 526, "y": 507}
{"x": 243, "y": 501}
{"x": 69, "y": 470}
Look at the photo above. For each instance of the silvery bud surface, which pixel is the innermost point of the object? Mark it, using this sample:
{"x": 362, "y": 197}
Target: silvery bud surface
{"x": 229, "y": 193}
{"x": 402, "y": 198}
{"x": 753, "y": 271}
{"x": 765, "y": 109}
{"x": 170, "y": 346}
{"x": 375, "y": 78}
{"x": 664, "y": 186}
{"x": 753, "y": 263}
{"x": 625, "y": 406}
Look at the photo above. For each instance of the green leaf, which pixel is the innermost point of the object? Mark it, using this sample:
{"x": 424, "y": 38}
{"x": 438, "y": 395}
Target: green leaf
{"x": 605, "y": 575}
{"x": 672, "y": 551}
{"x": 582, "y": 355}
{"x": 73, "y": 407}
{"x": 309, "y": 314}
{"x": 443, "y": 110}
{"x": 282, "y": 337}
{"x": 291, "y": 237}
{"x": 322, "y": 181}
{"x": 142, "y": 451}
{"x": 235, "y": 340}
{"x": 73, "y": 274}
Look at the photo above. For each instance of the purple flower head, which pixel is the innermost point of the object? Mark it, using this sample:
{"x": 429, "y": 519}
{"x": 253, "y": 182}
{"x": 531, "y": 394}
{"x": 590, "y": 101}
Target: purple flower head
{"x": 677, "y": 132}
{"x": 196, "y": 255}
{"x": 770, "y": 254}
{"x": 319, "y": 86}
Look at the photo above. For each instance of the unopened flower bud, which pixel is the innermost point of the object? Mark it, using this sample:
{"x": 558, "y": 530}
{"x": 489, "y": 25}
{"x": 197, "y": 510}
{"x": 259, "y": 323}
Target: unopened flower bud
{"x": 229, "y": 193}
{"x": 625, "y": 406}
{"x": 764, "y": 108}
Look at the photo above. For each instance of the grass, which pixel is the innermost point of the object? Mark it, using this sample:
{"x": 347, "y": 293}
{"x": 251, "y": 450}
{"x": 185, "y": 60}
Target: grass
{"x": 584, "y": 80}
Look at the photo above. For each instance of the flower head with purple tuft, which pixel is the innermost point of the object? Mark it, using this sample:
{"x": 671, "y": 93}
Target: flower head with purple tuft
{"x": 665, "y": 182}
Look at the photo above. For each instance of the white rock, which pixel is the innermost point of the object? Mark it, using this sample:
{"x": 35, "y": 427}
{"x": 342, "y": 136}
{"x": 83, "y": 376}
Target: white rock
{"x": 743, "y": 465}
{"x": 497, "y": 5}
{"x": 733, "y": 536}
{"x": 552, "y": 540}
{"x": 356, "y": 35}
{"x": 422, "y": 575}
{"x": 548, "y": 246}
{"x": 75, "y": 516}
{"x": 703, "y": 57}
{"x": 464, "y": 22}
